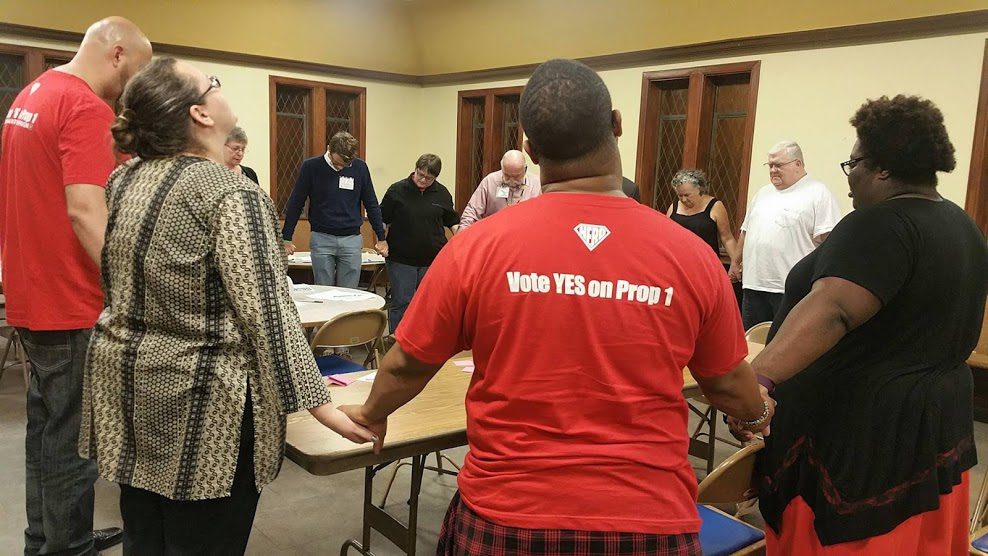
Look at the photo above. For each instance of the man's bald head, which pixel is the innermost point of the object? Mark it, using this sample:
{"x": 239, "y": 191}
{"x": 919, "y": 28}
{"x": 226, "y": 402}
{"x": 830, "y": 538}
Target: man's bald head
{"x": 513, "y": 166}
{"x": 111, "y": 52}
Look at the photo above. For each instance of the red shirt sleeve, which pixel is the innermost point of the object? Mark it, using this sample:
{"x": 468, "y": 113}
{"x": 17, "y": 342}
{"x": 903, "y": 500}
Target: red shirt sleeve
{"x": 85, "y": 145}
{"x": 432, "y": 329}
{"x": 721, "y": 344}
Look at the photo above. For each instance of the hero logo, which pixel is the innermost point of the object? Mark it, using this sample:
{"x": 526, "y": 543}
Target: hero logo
{"x": 592, "y": 235}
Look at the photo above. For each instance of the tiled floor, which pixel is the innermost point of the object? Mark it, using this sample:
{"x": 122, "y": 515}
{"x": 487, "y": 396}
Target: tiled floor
{"x": 298, "y": 513}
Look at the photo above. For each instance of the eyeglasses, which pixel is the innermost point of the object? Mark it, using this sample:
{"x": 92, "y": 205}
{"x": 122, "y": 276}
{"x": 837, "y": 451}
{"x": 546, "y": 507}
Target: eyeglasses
{"x": 777, "y": 165}
{"x": 849, "y": 165}
{"x": 214, "y": 83}
{"x": 424, "y": 176}
{"x": 237, "y": 150}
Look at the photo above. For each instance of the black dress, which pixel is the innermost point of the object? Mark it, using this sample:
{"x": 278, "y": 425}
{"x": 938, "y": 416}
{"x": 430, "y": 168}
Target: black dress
{"x": 701, "y": 224}
{"x": 876, "y": 429}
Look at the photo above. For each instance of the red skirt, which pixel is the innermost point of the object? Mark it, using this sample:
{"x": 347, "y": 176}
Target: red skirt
{"x": 940, "y": 531}
{"x": 465, "y": 533}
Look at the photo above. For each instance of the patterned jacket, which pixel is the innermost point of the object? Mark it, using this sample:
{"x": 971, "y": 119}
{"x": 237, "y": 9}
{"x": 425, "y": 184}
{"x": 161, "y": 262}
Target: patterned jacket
{"x": 197, "y": 314}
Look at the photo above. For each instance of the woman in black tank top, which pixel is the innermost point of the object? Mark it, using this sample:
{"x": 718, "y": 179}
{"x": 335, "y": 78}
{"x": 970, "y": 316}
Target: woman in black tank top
{"x": 702, "y": 214}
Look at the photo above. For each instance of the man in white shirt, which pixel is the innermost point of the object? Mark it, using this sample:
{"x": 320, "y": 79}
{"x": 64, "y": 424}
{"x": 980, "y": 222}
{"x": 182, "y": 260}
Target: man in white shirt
{"x": 785, "y": 221}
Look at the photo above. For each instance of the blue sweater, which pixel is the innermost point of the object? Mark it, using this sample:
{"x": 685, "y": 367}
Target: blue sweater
{"x": 333, "y": 210}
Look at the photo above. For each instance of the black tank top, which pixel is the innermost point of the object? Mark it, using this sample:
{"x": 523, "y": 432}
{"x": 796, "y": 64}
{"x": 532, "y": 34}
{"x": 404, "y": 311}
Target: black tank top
{"x": 700, "y": 224}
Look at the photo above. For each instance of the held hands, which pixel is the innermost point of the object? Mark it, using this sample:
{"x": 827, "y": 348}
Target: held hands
{"x": 378, "y": 428}
{"x": 289, "y": 247}
{"x": 734, "y": 273}
{"x": 382, "y": 248}
{"x": 337, "y": 421}
{"x": 747, "y": 434}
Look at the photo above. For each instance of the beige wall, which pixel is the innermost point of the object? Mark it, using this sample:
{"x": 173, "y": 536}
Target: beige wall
{"x": 806, "y": 95}
{"x": 513, "y": 32}
{"x": 369, "y": 34}
{"x": 438, "y": 36}
{"x": 392, "y": 116}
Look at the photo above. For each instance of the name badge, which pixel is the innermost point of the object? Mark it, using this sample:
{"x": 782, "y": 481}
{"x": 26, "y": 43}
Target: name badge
{"x": 502, "y": 193}
{"x": 346, "y": 183}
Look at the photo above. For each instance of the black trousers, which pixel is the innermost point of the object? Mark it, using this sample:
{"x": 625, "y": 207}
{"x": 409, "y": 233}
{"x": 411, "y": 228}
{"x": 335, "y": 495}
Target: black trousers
{"x": 156, "y": 525}
{"x": 758, "y": 306}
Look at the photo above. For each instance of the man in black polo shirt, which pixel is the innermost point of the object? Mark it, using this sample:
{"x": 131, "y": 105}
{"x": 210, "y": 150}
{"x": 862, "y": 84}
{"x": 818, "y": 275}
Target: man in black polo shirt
{"x": 335, "y": 184}
{"x": 416, "y": 210}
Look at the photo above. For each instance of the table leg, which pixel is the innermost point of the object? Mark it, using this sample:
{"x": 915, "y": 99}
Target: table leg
{"x": 404, "y": 537}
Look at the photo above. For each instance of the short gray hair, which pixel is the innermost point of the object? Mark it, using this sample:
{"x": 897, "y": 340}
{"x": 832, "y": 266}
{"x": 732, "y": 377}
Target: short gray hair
{"x": 791, "y": 148}
{"x": 696, "y": 177}
{"x": 237, "y": 135}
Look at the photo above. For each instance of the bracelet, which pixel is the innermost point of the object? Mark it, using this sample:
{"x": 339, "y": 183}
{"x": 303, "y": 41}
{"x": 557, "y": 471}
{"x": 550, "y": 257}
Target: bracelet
{"x": 765, "y": 381}
{"x": 757, "y": 423}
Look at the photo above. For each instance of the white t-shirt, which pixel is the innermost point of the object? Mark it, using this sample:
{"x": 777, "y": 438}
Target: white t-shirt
{"x": 779, "y": 230}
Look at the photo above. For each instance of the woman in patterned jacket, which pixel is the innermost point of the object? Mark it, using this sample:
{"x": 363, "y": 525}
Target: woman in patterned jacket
{"x": 199, "y": 352}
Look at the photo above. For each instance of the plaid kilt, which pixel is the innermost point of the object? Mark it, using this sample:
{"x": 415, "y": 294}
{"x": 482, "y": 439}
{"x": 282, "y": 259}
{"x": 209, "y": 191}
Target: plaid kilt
{"x": 465, "y": 533}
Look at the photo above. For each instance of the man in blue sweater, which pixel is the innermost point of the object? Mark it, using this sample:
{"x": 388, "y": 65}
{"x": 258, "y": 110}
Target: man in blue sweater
{"x": 335, "y": 185}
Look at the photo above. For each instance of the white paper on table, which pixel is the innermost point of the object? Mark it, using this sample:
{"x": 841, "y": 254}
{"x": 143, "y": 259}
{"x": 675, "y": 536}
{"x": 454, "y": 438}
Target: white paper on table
{"x": 468, "y": 369}
{"x": 368, "y": 377}
{"x": 336, "y": 295}
{"x": 464, "y": 362}
{"x": 371, "y": 258}
{"x": 300, "y": 258}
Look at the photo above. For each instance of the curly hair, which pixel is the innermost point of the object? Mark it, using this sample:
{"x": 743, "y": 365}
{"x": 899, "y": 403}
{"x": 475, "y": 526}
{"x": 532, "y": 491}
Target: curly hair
{"x": 696, "y": 177}
{"x": 904, "y": 135}
{"x": 344, "y": 144}
{"x": 154, "y": 115}
{"x": 237, "y": 135}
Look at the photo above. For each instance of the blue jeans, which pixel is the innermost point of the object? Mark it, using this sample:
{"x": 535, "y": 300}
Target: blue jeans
{"x": 405, "y": 280}
{"x": 59, "y": 483}
{"x": 758, "y": 306}
{"x": 336, "y": 259}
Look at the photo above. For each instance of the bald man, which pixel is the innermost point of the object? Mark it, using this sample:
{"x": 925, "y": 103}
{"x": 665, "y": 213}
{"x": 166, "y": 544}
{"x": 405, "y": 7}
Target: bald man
{"x": 510, "y": 185}
{"x": 56, "y": 159}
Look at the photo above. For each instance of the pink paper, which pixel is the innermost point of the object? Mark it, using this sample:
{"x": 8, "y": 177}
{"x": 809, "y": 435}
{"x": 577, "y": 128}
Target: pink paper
{"x": 468, "y": 369}
{"x": 342, "y": 380}
{"x": 464, "y": 362}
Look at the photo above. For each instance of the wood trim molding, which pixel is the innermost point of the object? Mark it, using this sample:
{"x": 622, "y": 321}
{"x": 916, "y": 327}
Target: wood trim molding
{"x": 214, "y": 55}
{"x": 920, "y": 27}
{"x": 976, "y": 203}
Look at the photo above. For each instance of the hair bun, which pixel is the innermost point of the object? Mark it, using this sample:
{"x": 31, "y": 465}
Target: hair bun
{"x": 123, "y": 130}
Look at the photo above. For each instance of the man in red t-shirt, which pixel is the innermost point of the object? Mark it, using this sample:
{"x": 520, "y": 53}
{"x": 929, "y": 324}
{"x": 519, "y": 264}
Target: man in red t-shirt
{"x": 57, "y": 155}
{"x": 576, "y": 422}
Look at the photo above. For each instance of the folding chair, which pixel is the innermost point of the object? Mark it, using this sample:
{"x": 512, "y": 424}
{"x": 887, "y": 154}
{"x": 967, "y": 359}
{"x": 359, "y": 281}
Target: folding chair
{"x": 358, "y": 329}
{"x": 979, "y": 529}
{"x": 732, "y": 482}
{"x": 758, "y": 333}
{"x": 13, "y": 342}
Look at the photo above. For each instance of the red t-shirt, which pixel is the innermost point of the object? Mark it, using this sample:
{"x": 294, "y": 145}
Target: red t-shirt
{"x": 56, "y": 133}
{"x": 582, "y": 311}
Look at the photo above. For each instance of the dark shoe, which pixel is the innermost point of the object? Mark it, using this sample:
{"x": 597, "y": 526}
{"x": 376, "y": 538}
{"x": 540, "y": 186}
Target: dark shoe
{"x": 105, "y": 538}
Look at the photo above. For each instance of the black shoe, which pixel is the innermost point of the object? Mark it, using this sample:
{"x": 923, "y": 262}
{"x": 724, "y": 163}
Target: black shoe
{"x": 105, "y": 538}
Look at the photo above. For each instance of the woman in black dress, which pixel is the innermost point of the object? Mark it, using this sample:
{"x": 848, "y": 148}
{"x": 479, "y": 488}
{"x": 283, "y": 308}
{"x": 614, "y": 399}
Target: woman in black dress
{"x": 872, "y": 442}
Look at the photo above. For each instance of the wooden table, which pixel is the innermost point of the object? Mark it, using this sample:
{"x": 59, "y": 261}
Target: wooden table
{"x": 314, "y": 312}
{"x": 434, "y": 420}
{"x": 300, "y": 267}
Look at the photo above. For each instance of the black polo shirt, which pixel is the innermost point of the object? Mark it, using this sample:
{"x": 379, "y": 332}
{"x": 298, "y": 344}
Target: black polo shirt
{"x": 417, "y": 221}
